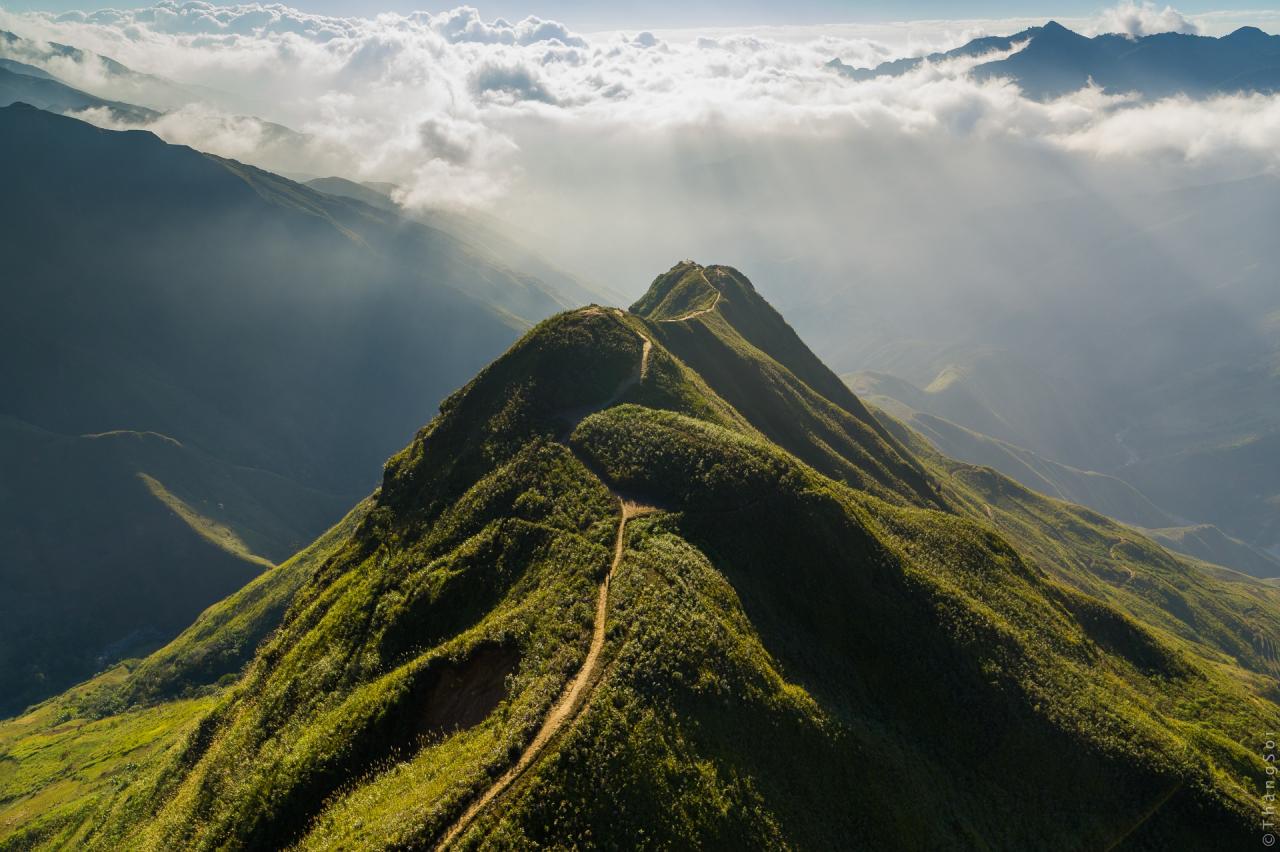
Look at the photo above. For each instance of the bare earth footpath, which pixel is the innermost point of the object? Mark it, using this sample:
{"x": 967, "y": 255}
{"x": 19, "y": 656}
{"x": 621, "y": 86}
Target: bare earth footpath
{"x": 576, "y": 692}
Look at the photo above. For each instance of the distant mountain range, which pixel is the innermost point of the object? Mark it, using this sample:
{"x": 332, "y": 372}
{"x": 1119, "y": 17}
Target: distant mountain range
{"x": 27, "y": 76}
{"x": 21, "y": 83}
{"x": 202, "y": 364}
{"x": 148, "y": 90}
{"x": 1105, "y": 493}
{"x": 1052, "y": 60}
{"x": 1134, "y": 338}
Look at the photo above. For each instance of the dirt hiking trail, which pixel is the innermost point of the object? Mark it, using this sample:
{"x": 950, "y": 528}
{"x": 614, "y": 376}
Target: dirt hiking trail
{"x": 570, "y": 701}
{"x": 708, "y": 309}
{"x": 576, "y": 691}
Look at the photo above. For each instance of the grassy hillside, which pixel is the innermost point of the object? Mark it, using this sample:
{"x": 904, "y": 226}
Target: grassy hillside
{"x": 713, "y": 320}
{"x": 601, "y": 598}
{"x": 287, "y": 340}
{"x": 62, "y": 757}
{"x": 1227, "y": 619}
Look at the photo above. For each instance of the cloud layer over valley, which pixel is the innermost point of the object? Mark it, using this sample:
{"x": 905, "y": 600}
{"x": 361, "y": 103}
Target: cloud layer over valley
{"x": 446, "y": 104}
{"x": 617, "y": 153}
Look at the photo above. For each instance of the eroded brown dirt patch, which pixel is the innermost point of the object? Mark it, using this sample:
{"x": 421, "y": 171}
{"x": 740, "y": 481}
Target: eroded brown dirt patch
{"x": 461, "y": 695}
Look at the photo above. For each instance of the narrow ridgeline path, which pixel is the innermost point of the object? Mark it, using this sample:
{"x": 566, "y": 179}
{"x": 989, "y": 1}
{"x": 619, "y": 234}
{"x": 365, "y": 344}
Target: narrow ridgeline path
{"x": 708, "y": 309}
{"x": 578, "y": 690}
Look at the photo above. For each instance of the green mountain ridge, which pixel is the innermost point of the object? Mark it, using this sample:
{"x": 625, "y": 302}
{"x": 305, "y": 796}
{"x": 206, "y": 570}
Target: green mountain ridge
{"x": 658, "y": 579}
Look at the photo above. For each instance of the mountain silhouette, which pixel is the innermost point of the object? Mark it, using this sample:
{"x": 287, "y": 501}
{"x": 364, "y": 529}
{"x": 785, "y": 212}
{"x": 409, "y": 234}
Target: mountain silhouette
{"x": 1052, "y": 60}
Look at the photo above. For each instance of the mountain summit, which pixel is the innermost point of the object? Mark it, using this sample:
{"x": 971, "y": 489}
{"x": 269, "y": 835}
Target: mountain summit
{"x": 656, "y": 578}
{"x": 1052, "y": 60}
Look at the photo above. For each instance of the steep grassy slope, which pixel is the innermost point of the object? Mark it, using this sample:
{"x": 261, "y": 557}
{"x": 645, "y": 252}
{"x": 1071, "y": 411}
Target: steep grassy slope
{"x": 1227, "y": 618}
{"x": 63, "y": 757}
{"x": 713, "y": 320}
{"x": 288, "y": 340}
{"x": 905, "y": 655}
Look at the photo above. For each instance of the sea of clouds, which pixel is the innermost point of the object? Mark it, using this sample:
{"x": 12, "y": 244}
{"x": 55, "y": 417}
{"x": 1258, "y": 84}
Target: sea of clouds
{"x": 447, "y": 104}
{"x": 617, "y": 152}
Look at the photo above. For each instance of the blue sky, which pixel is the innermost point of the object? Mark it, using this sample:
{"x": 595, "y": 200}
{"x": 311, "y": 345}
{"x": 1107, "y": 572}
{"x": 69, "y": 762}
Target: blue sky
{"x": 593, "y": 15}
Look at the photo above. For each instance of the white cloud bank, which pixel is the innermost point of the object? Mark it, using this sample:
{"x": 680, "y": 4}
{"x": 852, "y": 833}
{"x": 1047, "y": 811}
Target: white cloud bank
{"x": 1139, "y": 19}
{"x": 454, "y": 107}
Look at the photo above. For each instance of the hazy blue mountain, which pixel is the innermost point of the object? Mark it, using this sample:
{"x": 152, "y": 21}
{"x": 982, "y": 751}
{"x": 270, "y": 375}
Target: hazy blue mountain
{"x": 1141, "y": 342}
{"x": 1207, "y": 542}
{"x": 262, "y": 332}
{"x": 25, "y": 69}
{"x": 1101, "y": 492}
{"x": 494, "y": 237}
{"x": 132, "y": 86}
{"x": 1106, "y": 494}
{"x": 893, "y": 68}
{"x": 51, "y": 94}
{"x": 1056, "y": 61}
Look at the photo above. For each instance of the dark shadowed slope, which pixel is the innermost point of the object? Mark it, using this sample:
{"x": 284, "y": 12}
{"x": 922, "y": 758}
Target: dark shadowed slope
{"x": 288, "y": 341}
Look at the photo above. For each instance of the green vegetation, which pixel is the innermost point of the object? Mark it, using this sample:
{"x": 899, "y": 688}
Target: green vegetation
{"x": 56, "y": 768}
{"x": 826, "y": 635}
{"x": 756, "y": 363}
